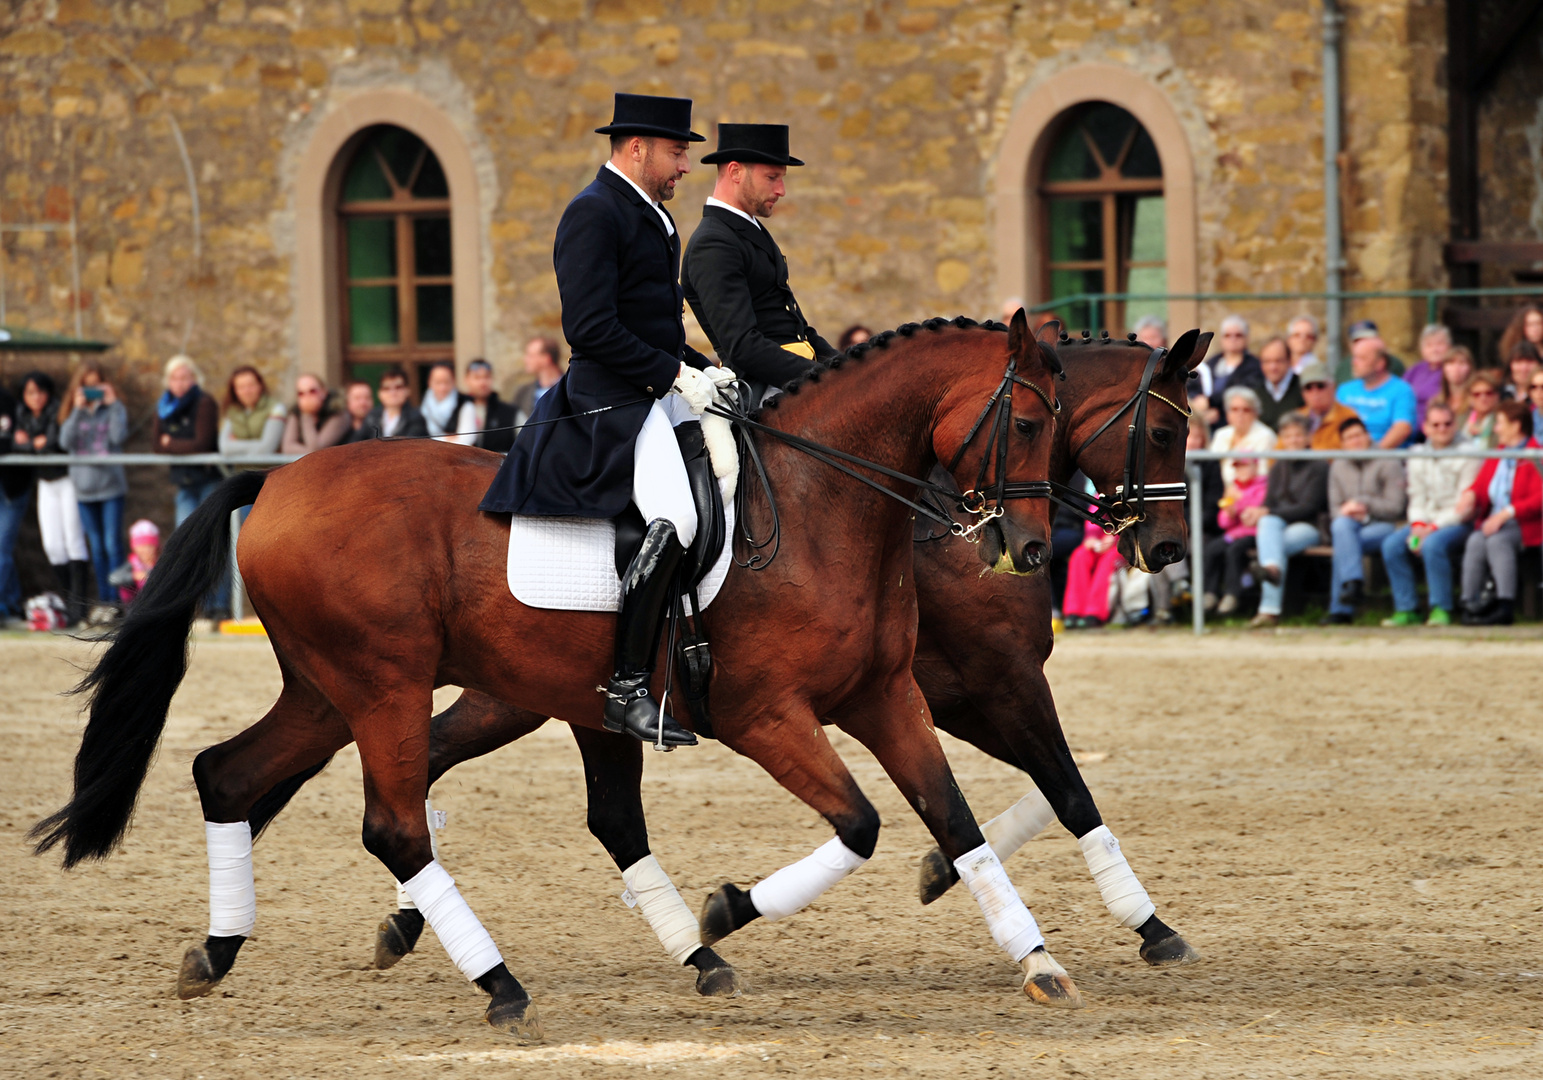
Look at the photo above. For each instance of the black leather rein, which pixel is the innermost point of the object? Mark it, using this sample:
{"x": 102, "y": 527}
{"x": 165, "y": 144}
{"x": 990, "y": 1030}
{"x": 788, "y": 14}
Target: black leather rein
{"x": 975, "y": 501}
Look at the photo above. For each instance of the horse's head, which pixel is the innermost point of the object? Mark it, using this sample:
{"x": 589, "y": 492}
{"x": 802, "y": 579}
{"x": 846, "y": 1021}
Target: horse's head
{"x": 1127, "y": 467}
{"x": 995, "y": 433}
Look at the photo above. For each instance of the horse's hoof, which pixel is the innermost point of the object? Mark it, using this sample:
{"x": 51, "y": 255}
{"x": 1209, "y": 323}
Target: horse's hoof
{"x": 1170, "y": 951}
{"x": 397, "y": 936}
{"x": 1047, "y": 983}
{"x": 516, "y": 1016}
{"x": 198, "y": 975}
{"x": 937, "y": 876}
{"x": 724, "y": 912}
{"x": 1056, "y": 991}
{"x": 719, "y": 982}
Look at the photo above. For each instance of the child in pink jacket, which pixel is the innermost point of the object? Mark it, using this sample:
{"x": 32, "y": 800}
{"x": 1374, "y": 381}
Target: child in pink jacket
{"x": 1238, "y": 514}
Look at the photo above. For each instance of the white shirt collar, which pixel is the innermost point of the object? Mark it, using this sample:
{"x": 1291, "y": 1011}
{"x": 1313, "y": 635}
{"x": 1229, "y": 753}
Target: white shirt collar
{"x": 721, "y": 205}
{"x": 669, "y": 226}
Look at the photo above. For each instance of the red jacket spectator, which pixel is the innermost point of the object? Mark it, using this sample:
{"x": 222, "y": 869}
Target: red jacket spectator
{"x": 1526, "y": 497}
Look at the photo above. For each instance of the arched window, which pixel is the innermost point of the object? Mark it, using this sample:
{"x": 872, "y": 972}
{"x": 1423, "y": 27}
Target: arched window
{"x": 1103, "y": 228}
{"x": 398, "y": 290}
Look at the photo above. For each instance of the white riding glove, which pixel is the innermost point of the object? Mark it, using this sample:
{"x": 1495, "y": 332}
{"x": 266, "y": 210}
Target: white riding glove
{"x": 695, "y": 387}
{"x": 721, "y": 376}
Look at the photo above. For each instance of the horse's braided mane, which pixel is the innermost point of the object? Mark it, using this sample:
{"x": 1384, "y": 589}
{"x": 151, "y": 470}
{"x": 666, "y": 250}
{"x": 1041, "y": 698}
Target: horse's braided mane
{"x": 882, "y": 341}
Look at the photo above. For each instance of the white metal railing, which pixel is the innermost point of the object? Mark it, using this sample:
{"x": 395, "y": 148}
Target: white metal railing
{"x": 1192, "y": 459}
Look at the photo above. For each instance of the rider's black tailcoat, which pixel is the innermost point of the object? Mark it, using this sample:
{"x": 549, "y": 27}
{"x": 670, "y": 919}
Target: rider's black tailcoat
{"x": 736, "y": 281}
{"x": 618, "y": 275}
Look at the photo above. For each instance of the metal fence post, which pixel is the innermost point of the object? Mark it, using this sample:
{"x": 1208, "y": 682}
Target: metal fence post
{"x": 1196, "y": 550}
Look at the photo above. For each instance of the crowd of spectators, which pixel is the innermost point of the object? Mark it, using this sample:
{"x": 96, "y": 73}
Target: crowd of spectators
{"x": 99, "y": 564}
{"x": 1434, "y": 515}
{"x": 1427, "y": 514}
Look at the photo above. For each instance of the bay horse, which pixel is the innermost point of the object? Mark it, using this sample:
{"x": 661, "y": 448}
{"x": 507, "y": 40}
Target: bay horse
{"x": 377, "y": 581}
{"x": 980, "y": 656}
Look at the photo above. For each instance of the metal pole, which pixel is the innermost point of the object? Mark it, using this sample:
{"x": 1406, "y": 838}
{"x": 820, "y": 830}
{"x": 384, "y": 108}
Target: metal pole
{"x": 1333, "y": 255}
{"x": 1196, "y": 551}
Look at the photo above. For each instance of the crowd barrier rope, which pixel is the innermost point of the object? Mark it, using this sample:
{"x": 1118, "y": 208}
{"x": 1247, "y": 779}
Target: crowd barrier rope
{"x": 1192, "y": 460}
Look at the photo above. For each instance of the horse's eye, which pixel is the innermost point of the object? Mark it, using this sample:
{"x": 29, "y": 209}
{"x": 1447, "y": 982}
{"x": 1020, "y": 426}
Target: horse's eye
{"x": 1162, "y": 436}
{"x": 1026, "y": 427}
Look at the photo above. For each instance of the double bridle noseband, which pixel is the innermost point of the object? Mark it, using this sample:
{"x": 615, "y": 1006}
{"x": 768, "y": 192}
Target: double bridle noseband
{"x": 1127, "y": 506}
{"x": 987, "y": 504}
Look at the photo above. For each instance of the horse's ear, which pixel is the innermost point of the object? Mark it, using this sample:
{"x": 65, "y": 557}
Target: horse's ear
{"x": 1049, "y": 333}
{"x": 1186, "y": 354}
{"x": 1025, "y": 350}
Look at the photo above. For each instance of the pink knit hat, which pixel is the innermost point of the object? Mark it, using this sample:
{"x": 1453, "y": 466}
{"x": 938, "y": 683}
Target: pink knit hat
{"x": 144, "y": 531}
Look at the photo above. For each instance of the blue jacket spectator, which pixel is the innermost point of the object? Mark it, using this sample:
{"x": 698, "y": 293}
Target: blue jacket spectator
{"x": 1383, "y": 401}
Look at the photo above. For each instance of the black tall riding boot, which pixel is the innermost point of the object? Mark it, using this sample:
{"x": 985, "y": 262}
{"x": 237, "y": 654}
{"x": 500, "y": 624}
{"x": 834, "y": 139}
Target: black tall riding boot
{"x": 645, "y": 599}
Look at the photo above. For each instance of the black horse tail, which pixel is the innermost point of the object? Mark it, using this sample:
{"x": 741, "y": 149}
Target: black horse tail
{"x": 131, "y": 686}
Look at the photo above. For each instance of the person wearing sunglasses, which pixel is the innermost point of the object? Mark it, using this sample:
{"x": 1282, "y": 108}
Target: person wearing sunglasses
{"x": 317, "y": 421}
{"x": 1436, "y": 531}
{"x": 1478, "y": 427}
{"x": 1323, "y": 410}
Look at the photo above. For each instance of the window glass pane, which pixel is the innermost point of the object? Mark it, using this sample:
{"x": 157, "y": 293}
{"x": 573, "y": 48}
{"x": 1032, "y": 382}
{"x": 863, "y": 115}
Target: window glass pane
{"x": 436, "y": 313}
{"x": 400, "y": 148}
{"x": 371, "y": 247}
{"x": 372, "y": 315}
{"x": 1076, "y": 229}
{"x": 431, "y": 246}
{"x": 364, "y": 179}
{"x": 1146, "y": 279}
{"x": 1147, "y": 230}
{"x": 1143, "y": 161}
{"x": 431, "y": 182}
{"x": 1109, "y": 125}
{"x": 1070, "y": 283}
{"x": 369, "y": 373}
{"x": 1070, "y": 159}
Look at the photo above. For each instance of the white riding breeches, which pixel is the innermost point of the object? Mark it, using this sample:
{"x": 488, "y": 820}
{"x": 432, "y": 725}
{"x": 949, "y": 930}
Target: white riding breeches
{"x": 659, "y": 484}
{"x": 64, "y": 538}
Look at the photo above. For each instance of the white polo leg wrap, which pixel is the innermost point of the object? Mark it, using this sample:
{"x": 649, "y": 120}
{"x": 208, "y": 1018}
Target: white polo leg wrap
{"x": 232, "y": 892}
{"x": 458, "y": 930}
{"x": 1018, "y": 824}
{"x": 653, "y": 891}
{"x": 1123, "y": 895}
{"x": 436, "y": 822}
{"x": 1012, "y": 926}
{"x": 795, "y": 887}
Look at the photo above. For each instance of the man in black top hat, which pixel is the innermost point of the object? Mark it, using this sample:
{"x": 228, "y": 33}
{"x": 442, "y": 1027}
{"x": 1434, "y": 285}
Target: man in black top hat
{"x": 617, "y": 257}
{"x": 735, "y": 276}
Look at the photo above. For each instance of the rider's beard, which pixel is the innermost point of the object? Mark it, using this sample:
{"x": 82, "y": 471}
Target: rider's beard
{"x": 658, "y": 173}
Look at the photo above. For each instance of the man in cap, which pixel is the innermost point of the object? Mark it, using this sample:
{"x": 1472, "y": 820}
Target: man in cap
{"x": 735, "y": 276}
{"x": 1324, "y": 412}
{"x": 604, "y": 435}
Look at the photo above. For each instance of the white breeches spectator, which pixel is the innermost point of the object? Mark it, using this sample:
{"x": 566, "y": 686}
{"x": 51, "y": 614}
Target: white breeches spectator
{"x": 64, "y": 539}
{"x": 659, "y": 484}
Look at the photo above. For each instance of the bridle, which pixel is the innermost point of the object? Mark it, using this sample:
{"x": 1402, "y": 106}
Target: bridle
{"x": 985, "y": 502}
{"x": 1127, "y": 506}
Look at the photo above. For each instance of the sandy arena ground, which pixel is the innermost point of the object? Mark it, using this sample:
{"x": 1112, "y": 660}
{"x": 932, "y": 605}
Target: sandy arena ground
{"x": 1360, "y": 869}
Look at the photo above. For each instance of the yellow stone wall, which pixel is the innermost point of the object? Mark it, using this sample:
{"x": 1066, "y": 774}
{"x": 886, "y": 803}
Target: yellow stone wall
{"x": 898, "y": 105}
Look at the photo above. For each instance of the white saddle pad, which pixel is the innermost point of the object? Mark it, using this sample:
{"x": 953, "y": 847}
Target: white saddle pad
{"x": 569, "y": 564}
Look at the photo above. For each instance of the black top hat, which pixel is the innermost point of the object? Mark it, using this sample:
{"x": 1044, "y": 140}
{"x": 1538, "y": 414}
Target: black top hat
{"x": 640, "y": 114}
{"x": 761, "y": 144}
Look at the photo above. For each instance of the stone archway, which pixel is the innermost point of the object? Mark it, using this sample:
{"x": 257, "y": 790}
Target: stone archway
{"x": 317, "y": 178}
{"x": 1020, "y": 159}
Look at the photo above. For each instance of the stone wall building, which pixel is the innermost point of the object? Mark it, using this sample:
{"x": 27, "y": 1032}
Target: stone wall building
{"x": 246, "y": 179}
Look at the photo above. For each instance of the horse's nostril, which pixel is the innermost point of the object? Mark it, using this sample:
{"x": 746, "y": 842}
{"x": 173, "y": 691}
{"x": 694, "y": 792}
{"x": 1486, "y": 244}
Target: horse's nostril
{"x": 1167, "y": 552}
{"x": 1035, "y": 554}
